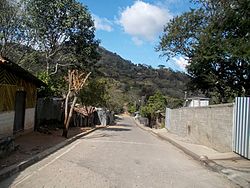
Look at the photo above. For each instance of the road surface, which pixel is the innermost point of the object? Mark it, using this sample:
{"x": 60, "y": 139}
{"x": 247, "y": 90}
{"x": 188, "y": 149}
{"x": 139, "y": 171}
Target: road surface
{"x": 118, "y": 156}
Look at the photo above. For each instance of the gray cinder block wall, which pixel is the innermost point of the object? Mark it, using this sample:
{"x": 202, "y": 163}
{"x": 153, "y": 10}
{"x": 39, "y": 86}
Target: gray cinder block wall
{"x": 210, "y": 126}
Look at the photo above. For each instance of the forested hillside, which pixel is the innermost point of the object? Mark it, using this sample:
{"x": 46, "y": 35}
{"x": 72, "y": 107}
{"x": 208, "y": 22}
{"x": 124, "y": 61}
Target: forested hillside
{"x": 141, "y": 80}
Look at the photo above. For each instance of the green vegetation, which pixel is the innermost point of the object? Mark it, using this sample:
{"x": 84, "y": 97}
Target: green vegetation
{"x": 136, "y": 81}
{"x": 156, "y": 104}
{"x": 132, "y": 108}
{"x": 50, "y": 37}
{"x": 94, "y": 93}
{"x": 215, "y": 39}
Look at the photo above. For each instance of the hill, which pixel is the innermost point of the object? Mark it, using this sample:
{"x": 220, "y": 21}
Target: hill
{"x": 141, "y": 80}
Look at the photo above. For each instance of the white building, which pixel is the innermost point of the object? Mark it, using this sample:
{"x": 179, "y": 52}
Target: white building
{"x": 196, "y": 102}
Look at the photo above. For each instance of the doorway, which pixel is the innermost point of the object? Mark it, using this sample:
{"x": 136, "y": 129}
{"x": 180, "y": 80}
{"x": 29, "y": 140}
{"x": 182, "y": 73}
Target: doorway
{"x": 19, "y": 111}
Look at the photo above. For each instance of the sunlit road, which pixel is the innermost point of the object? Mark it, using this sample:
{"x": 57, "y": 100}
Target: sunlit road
{"x": 118, "y": 156}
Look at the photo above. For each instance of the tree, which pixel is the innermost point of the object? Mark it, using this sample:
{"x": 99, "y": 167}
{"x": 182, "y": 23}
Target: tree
{"x": 76, "y": 82}
{"x": 63, "y": 30}
{"x": 132, "y": 108}
{"x": 216, "y": 43}
{"x": 94, "y": 94}
{"x": 156, "y": 102}
{"x": 11, "y": 27}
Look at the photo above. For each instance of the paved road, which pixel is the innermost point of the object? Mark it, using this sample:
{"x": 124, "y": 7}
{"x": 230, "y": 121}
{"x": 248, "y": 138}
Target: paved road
{"x": 119, "y": 156}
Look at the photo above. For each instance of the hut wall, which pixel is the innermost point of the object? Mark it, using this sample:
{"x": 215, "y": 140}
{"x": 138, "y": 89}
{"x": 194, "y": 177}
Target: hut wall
{"x": 9, "y": 85}
{"x": 6, "y": 124}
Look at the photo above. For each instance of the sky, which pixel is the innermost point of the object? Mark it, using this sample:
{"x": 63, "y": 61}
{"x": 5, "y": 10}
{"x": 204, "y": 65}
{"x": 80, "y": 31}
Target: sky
{"x": 132, "y": 28}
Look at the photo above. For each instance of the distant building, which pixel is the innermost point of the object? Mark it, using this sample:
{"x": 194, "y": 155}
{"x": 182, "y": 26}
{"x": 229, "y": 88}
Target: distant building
{"x": 196, "y": 102}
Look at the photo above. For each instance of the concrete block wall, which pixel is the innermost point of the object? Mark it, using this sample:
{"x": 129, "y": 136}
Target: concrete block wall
{"x": 210, "y": 126}
{"x": 6, "y": 123}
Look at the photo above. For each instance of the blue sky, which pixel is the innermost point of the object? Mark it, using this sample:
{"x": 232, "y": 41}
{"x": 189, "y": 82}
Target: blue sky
{"x": 132, "y": 28}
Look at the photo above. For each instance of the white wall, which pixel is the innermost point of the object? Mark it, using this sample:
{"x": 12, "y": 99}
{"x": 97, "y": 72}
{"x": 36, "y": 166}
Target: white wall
{"x": 6, "y": 123}
{"x": 29, "y": 121}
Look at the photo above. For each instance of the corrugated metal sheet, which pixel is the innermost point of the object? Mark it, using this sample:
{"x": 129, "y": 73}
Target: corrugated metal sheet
{"x": 241, "y": 132}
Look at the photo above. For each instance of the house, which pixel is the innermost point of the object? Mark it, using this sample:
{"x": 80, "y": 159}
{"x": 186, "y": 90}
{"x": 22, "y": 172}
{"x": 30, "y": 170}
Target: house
{"x": 18, "y": 95}
{"x": 196, "y": 102}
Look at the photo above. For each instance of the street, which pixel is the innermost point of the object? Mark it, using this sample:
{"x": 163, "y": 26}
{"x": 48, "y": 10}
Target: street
{"x": 118, "y": 156}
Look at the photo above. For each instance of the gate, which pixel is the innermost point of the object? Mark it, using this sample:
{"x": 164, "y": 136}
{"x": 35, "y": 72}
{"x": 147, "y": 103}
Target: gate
{"x": 241, "y": 130}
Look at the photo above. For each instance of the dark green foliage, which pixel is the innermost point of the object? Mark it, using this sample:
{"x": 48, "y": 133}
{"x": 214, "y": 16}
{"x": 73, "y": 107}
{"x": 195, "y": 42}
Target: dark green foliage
{"x": 48, "y": 36}
{"x": 63, "y": 30}
{"x": 94, "y": 93}
{"x": 156, "y": 102}
{"x": 132, "y": 108}
{"x": 11, "y": 26}
{"x": 216, "y": 40}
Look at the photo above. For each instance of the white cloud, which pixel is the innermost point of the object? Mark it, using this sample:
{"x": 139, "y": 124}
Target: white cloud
{"x": 137, "y": 41}
{"x": 143, "y": 20}
{"x": 103, "y": 23}
{"x": 181, "y": 62}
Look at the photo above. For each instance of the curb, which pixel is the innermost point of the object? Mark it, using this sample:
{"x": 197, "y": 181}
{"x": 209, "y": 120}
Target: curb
{"x": 185, "y": 150}
{"x": 210, "y": 164}
{"x": 205, "y": 161}
{"x": 13, "y": 169}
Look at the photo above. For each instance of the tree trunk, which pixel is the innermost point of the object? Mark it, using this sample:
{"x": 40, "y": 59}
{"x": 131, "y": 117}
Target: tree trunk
{"x": 66, "y": 126}
{"x": 66, "y": 108}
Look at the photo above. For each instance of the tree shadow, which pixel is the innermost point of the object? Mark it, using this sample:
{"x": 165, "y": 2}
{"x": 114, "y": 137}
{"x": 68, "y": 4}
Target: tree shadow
{"x": 116, "y": 129}
{"x": 124, "y": 125}
{"x": 117, "y": 118}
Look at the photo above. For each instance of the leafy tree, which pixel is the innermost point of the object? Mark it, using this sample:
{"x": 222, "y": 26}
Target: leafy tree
{"x": 216, "y": 43}
{"x": 94, "y": 94}
{"x": 63, "y": 30}
{"x": 174, "y": 102}
{"x": 132, "y": 108}
{"x": 11, "y": 26}
{"x": 156, "y": 102}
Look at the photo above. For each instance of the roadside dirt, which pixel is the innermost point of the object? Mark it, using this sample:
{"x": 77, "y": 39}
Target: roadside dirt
{"x": 35, "y": 142}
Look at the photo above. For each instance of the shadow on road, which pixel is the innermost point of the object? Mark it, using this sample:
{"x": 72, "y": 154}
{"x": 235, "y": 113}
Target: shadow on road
{"x": 117, "y": 118}
{"x": 116, "y": 129}
{"x": 124, "y": 125}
